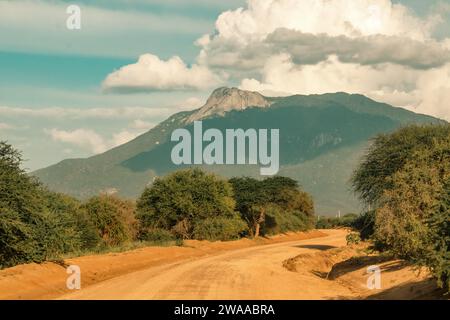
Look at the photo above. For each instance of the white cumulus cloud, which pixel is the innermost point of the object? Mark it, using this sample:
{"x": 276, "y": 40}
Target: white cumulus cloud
{"x": 150, "y": 73}
{"x": 84, "y": 138}
{"x": 95, "y": 143}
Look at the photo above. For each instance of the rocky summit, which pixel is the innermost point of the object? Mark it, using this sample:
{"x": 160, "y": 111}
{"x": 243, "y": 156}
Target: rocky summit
{"x": 223, "y": 100}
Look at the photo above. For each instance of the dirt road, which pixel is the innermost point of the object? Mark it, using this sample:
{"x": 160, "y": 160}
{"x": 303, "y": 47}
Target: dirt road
{"x": 250, "y": 273}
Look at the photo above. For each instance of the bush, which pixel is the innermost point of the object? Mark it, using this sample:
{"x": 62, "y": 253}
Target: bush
{"x": 353, "y": 238}
{"x": 219, "y": 228}
{"x": 365, "y": 224}
{"x": 347, "y": 220}
{"x": 413, "y": 219}
{"x": 27, "y": 232}
{"x": 158, "y": 235}
{"x": 280, "y": 221}
{"x": 17, "y": 240}
{"x": 183, "y": 199}
{"x": 71, "y": 218}
{"x": 406, "y": 177}
{"x": 109, "y": 219}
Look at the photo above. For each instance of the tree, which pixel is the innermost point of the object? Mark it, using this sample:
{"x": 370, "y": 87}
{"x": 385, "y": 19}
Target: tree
{"x": 254, "y": 197}
{"x": 413, "y": 218}
{"x": 72, "y": 220}
{"x": 387, "y": 154}
{"x": 252, "y": 200}
{"x": 183, "y": 199}
{"x": 406, "y": 177}
{"x": 109, "y": 219}
{"x": 21, "y": 212}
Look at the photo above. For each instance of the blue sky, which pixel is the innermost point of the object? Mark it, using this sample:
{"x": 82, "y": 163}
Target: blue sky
{"x": 52, "y": 80}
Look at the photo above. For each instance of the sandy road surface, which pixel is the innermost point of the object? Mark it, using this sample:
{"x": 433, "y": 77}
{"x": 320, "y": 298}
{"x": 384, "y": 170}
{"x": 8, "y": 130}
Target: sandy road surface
{"x": 251, "y": 273}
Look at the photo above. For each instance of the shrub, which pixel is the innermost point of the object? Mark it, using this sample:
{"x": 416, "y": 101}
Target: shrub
{"x": 365, "y": 224}
{"x": 17, "y": 240}
{"x": 347, "y": 220}
{"x": 182, "y": 199}
{"x": 71, "y": 219}
{"x": 127, "y": 212}
{"x": 219, "y": 228}
{"x": 158, "y": 235}
{"x": 25, "y": 232}
{"x": 281, "y": 221}
{"x": 406, "y": 177}
{"x": 413, "y": 219}
{"x": 109, "y": 219}
{"x": 353, "y": 238}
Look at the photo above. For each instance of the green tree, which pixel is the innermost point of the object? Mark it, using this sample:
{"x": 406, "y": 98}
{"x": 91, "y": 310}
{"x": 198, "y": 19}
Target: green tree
{"x": 183, "y": 199}
{"x": 254, "y": 197}
{"x": 29, "y": 230}
{"x": 388, "y": 154}
{"x": 405, "y": 177}
{"x": 109, "y": 217}
{"x": 21, "y": 212}
{"x": 73, "y": 221}
{"x": 251, "y": 202}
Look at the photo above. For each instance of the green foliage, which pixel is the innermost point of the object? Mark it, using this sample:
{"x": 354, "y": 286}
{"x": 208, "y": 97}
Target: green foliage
{"x": 406, "y": 175}
{"x": 74, "y": 223}
{"x": 280, "y": 221}
{"x": 34, "y": 224}
{"x": 347, "y": 220}
{"x": 109, "y": 216}
{"x": 158, "y": 235}
{"x": 17, "y": 240}
{"x": 412, "y": 220}
{"x": 290, "y": 208}
{"x": 219, "y": 228}
{"x": 21, "y": 213}
{"x": 365, "y": 224}
{"x": 353, "y": 238}
{"x": 180, "y": 200}
{"x": 388, "y": 154}
{"x": 251, "y": 201}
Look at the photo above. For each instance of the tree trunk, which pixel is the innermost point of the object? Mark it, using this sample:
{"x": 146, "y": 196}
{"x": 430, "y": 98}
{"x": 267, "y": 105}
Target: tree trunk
{"x": 260, "y": 220}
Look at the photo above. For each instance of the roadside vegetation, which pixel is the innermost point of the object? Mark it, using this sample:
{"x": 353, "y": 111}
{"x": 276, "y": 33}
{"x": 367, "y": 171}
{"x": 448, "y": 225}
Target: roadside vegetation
{"x": 346, "y": 221}
{"x": 37, "y": 225}
{"x": 405, "y": 179}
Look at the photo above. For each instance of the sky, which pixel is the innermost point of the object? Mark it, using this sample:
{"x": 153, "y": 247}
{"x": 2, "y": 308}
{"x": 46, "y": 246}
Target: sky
{"x": 75, "y": 93}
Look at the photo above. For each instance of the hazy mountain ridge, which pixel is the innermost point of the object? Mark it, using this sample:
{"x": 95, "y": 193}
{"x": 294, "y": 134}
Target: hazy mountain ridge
{"x": 321, "y": 140}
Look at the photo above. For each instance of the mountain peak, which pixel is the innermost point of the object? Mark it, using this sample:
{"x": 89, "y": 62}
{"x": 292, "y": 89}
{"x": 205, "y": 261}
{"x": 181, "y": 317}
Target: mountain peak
{"x": 225, "y": 99}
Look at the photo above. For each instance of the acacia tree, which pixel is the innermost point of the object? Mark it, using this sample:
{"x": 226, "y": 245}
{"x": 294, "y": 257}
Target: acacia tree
{"x": 254, "y": 197}
{"x": 406, "y": 177}
{"x": 252, "y": 200}
{"x": 388, "y": 154}
{"x": 184, "y": 199}
{"x": 35, "y": 224}
{"x": 110, "y": 217}
{"x": 20, "y": 211}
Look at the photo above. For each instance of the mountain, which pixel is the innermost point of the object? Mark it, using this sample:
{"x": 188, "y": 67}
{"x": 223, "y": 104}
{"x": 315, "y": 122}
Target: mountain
{"x": 322, "y": 138}
{"x": 224, "y": 100}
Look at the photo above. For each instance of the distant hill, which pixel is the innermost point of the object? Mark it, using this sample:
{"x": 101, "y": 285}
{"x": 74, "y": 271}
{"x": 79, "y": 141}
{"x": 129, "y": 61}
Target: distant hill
{"x": 322, "y": 138}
